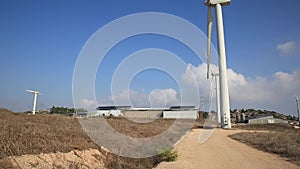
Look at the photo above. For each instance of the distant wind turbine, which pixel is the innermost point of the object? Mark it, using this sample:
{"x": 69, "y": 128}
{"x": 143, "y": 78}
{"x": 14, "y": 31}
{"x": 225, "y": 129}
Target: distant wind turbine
{"x": 34, "y": 99}
{"x": 216, "y": 75}
{"x": 297, "y": 99}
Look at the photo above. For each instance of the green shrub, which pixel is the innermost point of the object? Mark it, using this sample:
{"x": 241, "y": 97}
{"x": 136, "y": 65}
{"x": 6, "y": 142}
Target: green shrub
{"x": 168, "y": 155}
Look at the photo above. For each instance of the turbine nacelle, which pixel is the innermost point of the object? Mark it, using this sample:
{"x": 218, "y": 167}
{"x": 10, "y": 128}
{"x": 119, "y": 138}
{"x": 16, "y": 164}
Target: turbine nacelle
{"x": 215, "y": 2}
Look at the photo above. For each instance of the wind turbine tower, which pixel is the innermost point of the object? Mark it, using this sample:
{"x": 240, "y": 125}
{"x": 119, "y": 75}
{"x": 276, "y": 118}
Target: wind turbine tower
{"x": 224, "y": 93}
{"x": 34, "y": 99}
{"x": 216, "y": 75}
{"x": 297, "y": 102}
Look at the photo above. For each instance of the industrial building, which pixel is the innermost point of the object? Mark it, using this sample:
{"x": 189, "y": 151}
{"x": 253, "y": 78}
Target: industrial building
{"x": 263, "y": 120}
{"x": 174, "y": 112}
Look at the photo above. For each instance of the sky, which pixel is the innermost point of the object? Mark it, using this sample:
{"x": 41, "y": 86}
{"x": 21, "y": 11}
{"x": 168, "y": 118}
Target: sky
{"x": 41, "y": 41}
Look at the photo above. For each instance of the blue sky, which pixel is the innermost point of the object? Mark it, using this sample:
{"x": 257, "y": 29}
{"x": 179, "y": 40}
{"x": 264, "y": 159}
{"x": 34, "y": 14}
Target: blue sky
{"x": 41, "y": 40}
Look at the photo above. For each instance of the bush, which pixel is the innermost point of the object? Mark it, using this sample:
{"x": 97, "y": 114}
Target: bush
{"x": 168, "y": 155}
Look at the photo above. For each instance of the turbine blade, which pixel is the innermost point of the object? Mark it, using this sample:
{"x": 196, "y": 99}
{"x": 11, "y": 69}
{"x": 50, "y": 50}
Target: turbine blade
{"x": 209, "y": 34}
{"x": 31, "y": 91}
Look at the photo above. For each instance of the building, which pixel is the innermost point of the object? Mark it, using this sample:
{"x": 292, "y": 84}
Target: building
{"x": 143, "y": 113}
{"x": 263, "y": 120}
{"x": 182, "y": 112}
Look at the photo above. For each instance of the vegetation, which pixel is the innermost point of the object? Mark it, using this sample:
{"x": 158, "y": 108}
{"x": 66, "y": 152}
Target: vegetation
{"x": 280, "y": 127}
{"x": 251, "y": 113}
{"x": 46, "y": 133}
{"x": 168, "y": 155}
{"x": 280, "y": 139}
{"x": 32, "y": 134}
{"x": 205, "y": 115}
{"x": 65, "y": 110}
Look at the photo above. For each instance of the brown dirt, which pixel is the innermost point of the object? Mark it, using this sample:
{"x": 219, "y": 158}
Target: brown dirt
{"x": 41, "y": 141}
{"x": 267, "y": 127}
{"x": 84, "y": 159}
{"x": 23, "y": 134}
{"x": 139, "y": 130}
{"x": 220, "y": 151}
{"x": 285, "y": 143}
{"x": 5, "y": 111}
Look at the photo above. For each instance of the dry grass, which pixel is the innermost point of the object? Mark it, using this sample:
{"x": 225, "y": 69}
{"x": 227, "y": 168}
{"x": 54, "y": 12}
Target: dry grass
{"x": 280, "y": 139}
{"x": 22, "y": 134}
{"x": 27, "y": 134}
{"x": 139, "y": 130}
{"x": 267, "y": 127}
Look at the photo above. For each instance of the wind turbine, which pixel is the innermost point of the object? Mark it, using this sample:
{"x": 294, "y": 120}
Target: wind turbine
{"x": 34, "y": 99}
{"x": 224, "y": 93}
{"x": 217, "y": 96}
{"x": 297, "y": 99}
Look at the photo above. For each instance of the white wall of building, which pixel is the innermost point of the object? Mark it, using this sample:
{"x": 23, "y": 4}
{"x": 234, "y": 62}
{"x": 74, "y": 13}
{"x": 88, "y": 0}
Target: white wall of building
{"x": 183, "y": 114}
{"x": 142, "y": 113}
{"x": 115, "y": 113}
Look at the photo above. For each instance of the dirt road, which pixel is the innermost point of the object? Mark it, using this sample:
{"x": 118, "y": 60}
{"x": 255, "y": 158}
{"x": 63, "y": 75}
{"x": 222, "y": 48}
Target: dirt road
{"x": 220, "y": 151}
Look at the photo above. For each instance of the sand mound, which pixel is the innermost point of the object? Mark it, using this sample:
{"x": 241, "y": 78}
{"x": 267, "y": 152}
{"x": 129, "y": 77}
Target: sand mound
{"x": 86, "y": 159}
{"x": 5, "y": 111}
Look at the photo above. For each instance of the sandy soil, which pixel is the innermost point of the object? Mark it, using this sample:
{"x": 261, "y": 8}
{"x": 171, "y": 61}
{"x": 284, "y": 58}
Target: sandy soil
{"x": 85, "y": 159}
{"x": 220, "y": 151}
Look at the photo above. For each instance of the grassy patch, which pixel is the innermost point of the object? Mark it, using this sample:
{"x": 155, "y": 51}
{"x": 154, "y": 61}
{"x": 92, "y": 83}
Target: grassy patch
{"x": 168, "y": 155}
{"x": 269, "y": 127}
{"x": 22, "y": 134}
{"x": 284, "y": 142}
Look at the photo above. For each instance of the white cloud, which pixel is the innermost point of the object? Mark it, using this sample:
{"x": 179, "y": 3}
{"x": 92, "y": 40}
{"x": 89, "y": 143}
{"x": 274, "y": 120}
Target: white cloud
{"x": 156, "y": 98}
{"x": 287, "y": 48}
{"x": 88, "y": 104}
{"x": 163, "y": 98}
{"x": 196, "y": 77}
{"x": 274, "y": 93}
{"x": 130, "y": 97}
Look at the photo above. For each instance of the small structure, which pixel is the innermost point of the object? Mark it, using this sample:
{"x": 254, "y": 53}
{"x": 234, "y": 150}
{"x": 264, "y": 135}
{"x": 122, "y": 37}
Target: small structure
{"x": 264, "y": 120}
{"x": 82, "y": 114}
{"x": 239, "y": 117}
{"x": 243, "y": 117}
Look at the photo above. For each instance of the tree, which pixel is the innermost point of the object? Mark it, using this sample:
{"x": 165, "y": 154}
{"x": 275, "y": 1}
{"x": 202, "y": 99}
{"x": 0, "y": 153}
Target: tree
{"x": 65, "y": 110}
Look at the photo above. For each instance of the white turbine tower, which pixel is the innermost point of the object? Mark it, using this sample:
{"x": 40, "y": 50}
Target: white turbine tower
{"x": 224, "y": 93}
{"x": 34, "y": 99}
{"x": 216, "y": 75}
{"x": 297, "y": 99}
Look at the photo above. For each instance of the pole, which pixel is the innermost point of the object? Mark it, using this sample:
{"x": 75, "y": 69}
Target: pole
{"x": 34, "y": 103}
{"x": 298, "y": 109}
{"x": 224, "y": 93}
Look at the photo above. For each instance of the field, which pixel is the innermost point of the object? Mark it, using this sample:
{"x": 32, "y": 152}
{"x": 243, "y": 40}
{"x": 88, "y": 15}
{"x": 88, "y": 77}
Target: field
{"x": 22, "y": 134}
{"x": 40, "y": 135}
{"x": 281, "y": 139}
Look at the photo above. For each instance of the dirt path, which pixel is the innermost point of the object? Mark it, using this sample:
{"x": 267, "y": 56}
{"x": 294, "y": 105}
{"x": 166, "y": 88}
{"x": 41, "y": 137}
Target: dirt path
{"x": 220, "y": 151}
